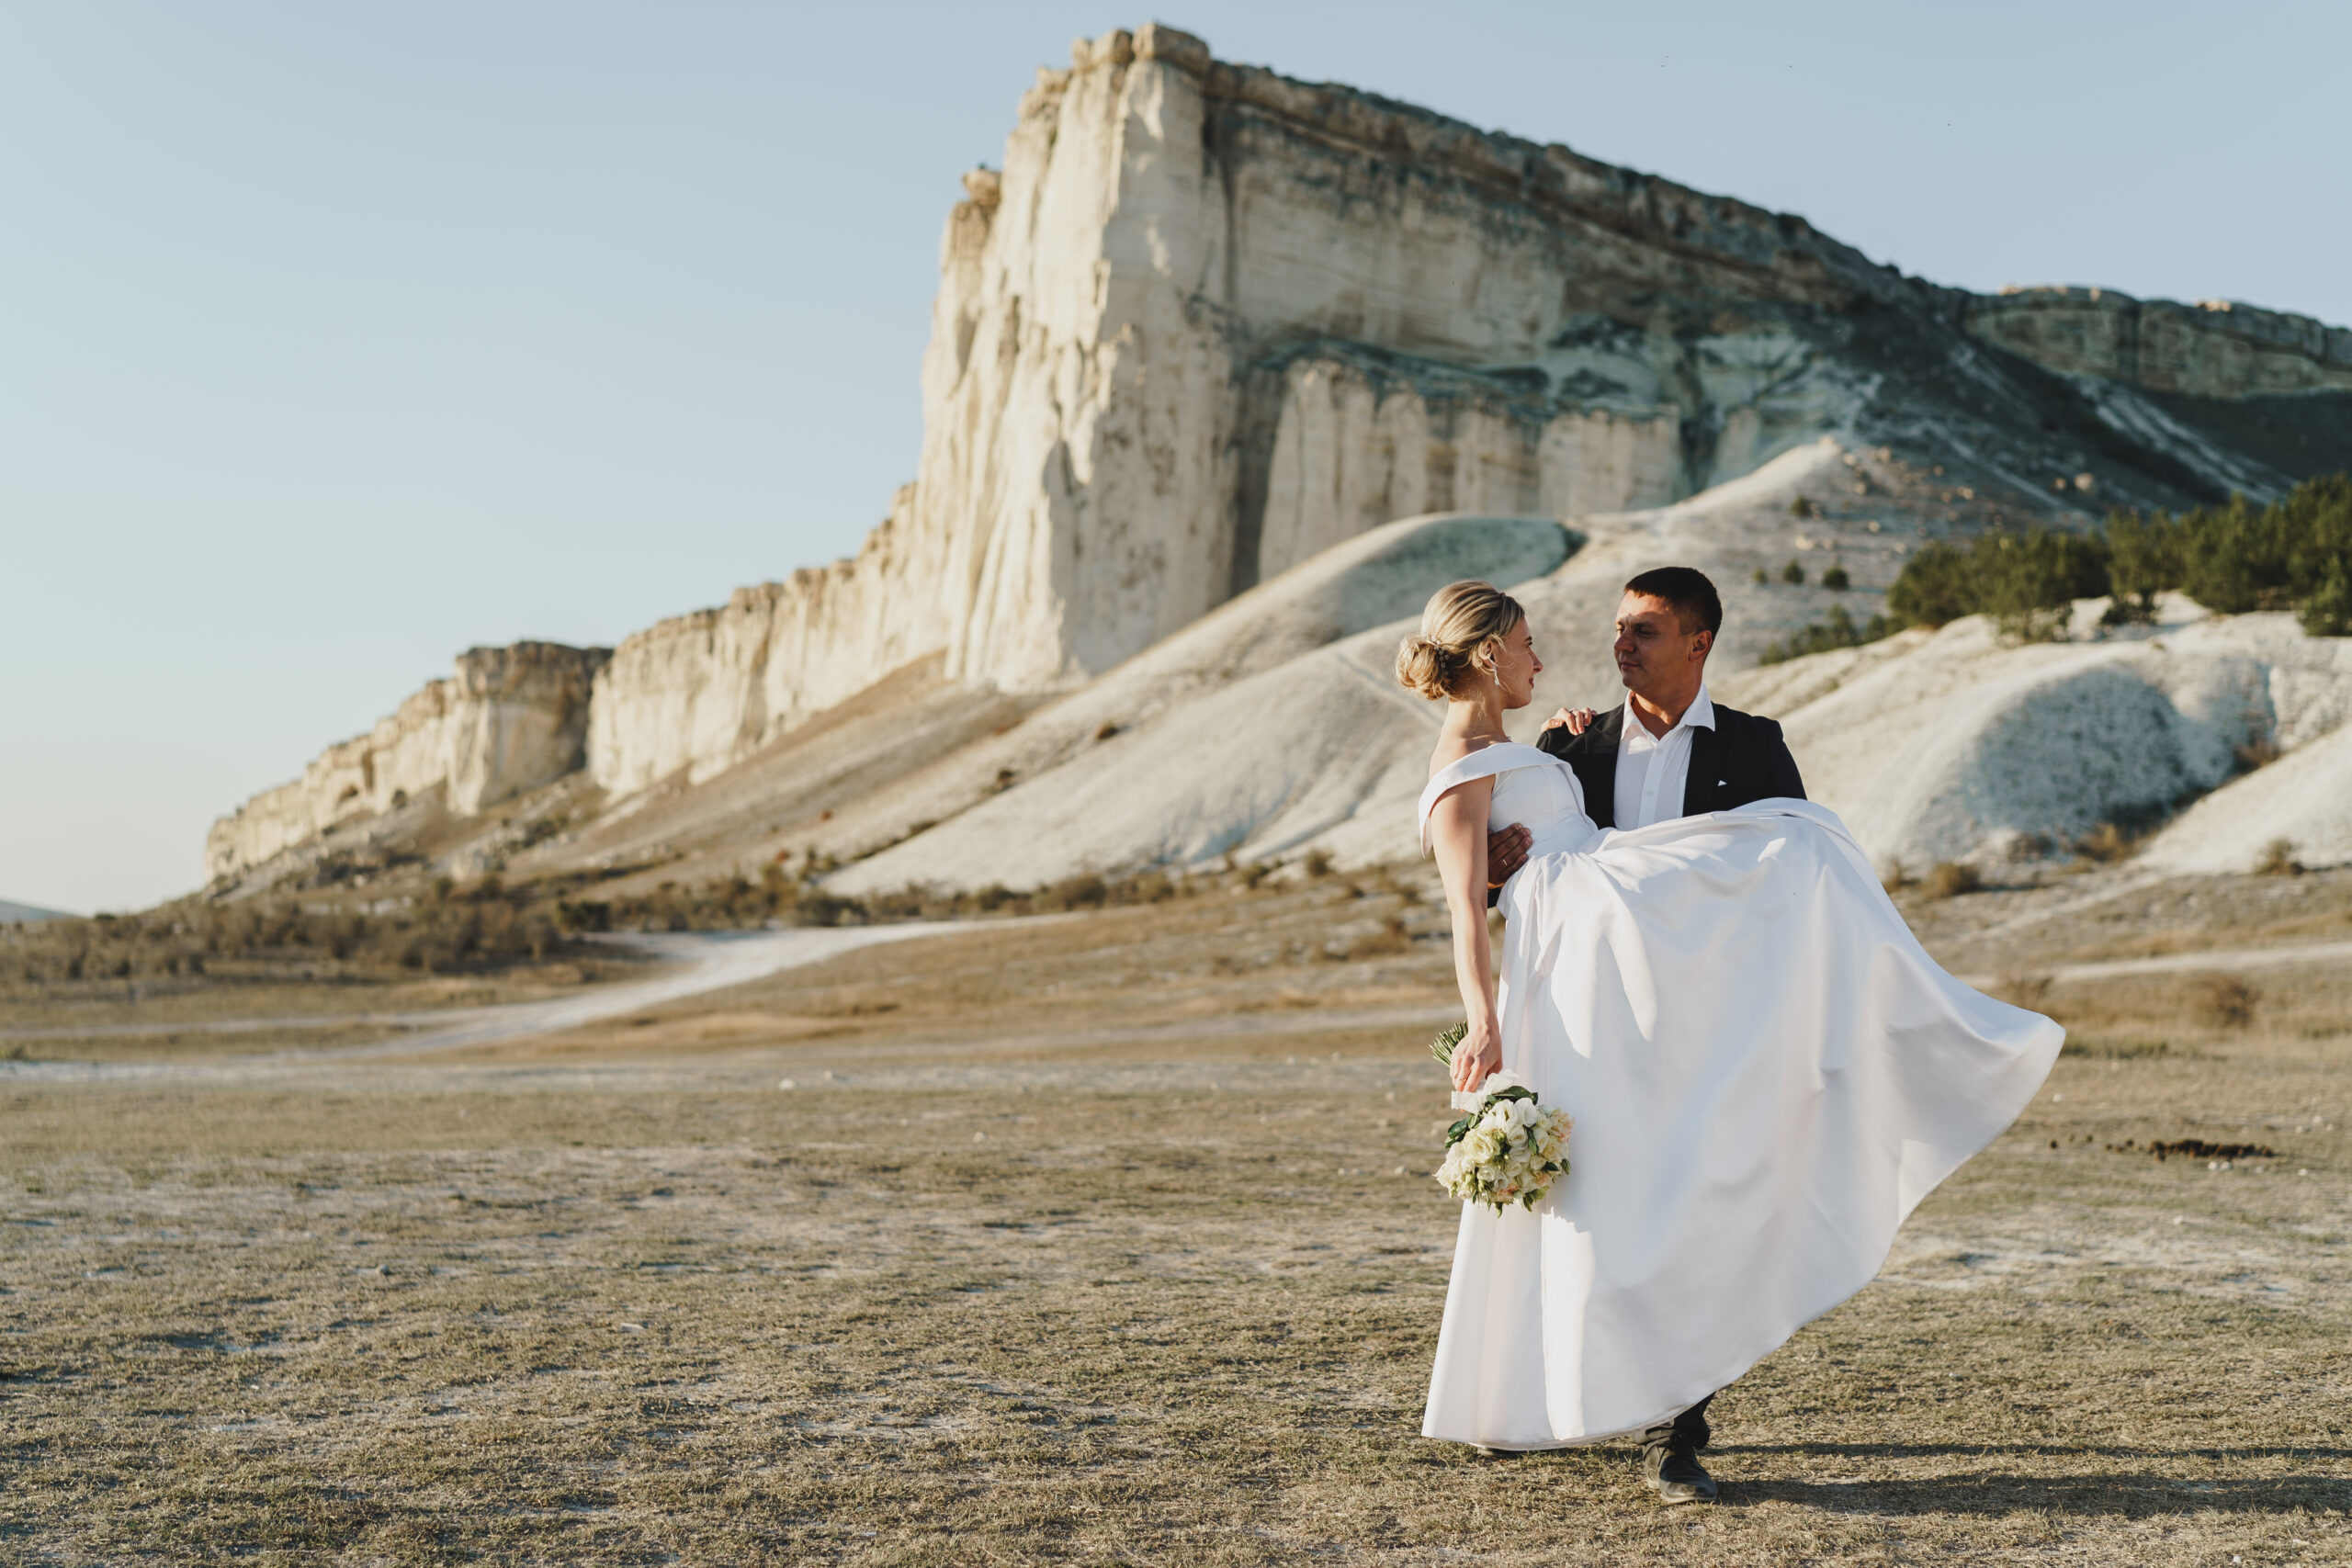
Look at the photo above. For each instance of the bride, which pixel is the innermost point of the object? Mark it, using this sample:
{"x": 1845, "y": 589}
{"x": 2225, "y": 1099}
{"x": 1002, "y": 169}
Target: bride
{"x": 1767, "y": 1073}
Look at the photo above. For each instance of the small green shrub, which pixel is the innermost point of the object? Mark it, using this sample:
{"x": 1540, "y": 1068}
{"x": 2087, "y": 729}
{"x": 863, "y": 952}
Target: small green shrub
{"x": 1933, "y": 589}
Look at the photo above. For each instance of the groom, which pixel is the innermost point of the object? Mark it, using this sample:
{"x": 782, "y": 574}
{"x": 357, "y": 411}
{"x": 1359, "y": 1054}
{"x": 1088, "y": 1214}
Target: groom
{"x": 1666, "y": 752}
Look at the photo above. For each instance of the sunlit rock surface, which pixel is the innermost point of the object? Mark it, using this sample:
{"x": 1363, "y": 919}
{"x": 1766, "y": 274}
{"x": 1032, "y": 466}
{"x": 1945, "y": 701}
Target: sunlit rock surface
{"x": 508, "y": 720}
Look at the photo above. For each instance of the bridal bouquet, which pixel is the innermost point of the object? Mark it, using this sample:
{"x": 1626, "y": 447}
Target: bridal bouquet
{"x": 1509, "y": 1148}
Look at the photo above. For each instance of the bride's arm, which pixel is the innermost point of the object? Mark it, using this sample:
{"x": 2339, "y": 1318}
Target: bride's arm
{"x": 1458, "y": 838}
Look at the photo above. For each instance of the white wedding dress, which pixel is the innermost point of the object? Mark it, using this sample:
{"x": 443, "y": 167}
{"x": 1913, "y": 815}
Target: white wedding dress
{"x": 1767, "y": 1072}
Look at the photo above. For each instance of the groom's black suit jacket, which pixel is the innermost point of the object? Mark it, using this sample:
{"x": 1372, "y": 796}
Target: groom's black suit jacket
{"x": 1743, "y": 759}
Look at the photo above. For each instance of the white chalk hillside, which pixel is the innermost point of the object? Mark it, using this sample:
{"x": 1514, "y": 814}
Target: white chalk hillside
{"x": 1272, "y": 725}
{"x": 1275, "y": 725}
{"x": 1259, "y": 729}
{"x": 1948, "y": 745}
{"x": 2304, "y": 800}
{"x": 1951, "y": 746}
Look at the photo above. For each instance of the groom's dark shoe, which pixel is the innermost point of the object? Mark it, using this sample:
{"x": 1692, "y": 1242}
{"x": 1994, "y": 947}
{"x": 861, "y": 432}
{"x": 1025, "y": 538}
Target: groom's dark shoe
{"x": 1670, "y": 1457}
{"x": 1677, "y": 1476}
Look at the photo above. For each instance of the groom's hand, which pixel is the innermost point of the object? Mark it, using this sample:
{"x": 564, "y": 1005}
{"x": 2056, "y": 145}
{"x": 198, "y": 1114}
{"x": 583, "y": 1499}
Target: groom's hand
{"x": 1506, "y": 853}
{"x": 1577, "y": 720}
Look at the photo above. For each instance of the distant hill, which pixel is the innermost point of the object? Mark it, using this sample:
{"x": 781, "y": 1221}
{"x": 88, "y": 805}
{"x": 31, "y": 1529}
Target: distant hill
{"x": 27, "y": 914}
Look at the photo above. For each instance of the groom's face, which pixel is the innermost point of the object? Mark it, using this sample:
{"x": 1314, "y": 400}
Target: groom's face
{"x": 1656, "y": 657}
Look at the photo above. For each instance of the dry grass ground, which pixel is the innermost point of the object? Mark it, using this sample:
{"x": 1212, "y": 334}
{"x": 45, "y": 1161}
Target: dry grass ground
{"x": 1084, "y": 1241}
{"x": 2120, "y": 912}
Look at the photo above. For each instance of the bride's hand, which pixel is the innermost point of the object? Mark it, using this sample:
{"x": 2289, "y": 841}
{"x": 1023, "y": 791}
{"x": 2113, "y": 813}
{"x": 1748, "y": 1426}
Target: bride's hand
{"x": 1479, "y": 1055}
{"x": 1577, "y": 720}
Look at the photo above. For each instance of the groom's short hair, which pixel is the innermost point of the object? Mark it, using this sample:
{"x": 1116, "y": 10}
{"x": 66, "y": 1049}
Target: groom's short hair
{"x": 1696, "y": 602}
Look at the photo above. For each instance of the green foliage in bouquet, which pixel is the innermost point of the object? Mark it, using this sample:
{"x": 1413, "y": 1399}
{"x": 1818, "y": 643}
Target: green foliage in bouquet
{"x": 1453, "y": 1134}
{"x": 1497, "y": 1155}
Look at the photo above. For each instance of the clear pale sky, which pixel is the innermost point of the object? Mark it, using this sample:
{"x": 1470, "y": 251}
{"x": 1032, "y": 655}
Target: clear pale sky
{"x": 334, "y": 339}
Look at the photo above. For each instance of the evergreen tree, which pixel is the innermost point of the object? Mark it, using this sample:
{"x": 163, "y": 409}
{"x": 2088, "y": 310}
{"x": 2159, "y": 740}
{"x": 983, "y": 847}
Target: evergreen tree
{"x": 2234, "y": 557}
{"x": 2143, "y": 560}
{"x": 1932, "y": 588}
{"x": 2328, "y": 612}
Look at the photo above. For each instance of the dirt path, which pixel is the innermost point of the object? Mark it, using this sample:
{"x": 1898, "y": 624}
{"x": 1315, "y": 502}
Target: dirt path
{"x": 704, "y": 960}
{"x": 716, "y": 960}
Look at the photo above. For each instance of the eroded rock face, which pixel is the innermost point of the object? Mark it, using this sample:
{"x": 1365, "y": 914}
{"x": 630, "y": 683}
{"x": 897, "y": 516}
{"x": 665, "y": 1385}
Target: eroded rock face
{"x": 2216, "y": 348}
{"x": 510, "y": 719}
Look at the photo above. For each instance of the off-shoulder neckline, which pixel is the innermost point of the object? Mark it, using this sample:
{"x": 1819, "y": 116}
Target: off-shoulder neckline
{"x": 1491, "y": 747}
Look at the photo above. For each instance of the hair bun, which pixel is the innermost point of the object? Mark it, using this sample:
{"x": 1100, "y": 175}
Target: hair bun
{"x": 1459, "y": 619}
{"x": 1425, "y": 666}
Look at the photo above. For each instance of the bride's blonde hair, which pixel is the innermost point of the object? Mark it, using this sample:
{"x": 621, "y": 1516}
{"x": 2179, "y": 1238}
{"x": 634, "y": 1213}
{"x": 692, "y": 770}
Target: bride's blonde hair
{"x": 1460, "y": 627}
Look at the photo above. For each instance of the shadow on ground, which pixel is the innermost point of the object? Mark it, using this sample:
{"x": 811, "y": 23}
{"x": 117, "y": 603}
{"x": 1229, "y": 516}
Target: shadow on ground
{"x": 2132, "y": 1493}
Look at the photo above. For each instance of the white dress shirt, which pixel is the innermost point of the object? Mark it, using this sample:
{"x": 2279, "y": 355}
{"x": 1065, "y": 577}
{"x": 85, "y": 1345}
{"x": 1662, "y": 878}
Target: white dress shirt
{"x": 1653, "y": 769}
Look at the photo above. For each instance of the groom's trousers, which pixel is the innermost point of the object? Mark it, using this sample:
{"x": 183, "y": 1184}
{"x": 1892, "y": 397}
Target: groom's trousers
{"x": 1687, "y": 1433}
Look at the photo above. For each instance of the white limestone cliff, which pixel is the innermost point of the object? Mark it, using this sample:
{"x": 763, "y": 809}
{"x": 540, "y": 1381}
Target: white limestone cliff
{"x": 508, "y": 720}
{"x": 1207, "y": 324}
{"x": 1148, "y": 385}
{"x": 694, "y": 693}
